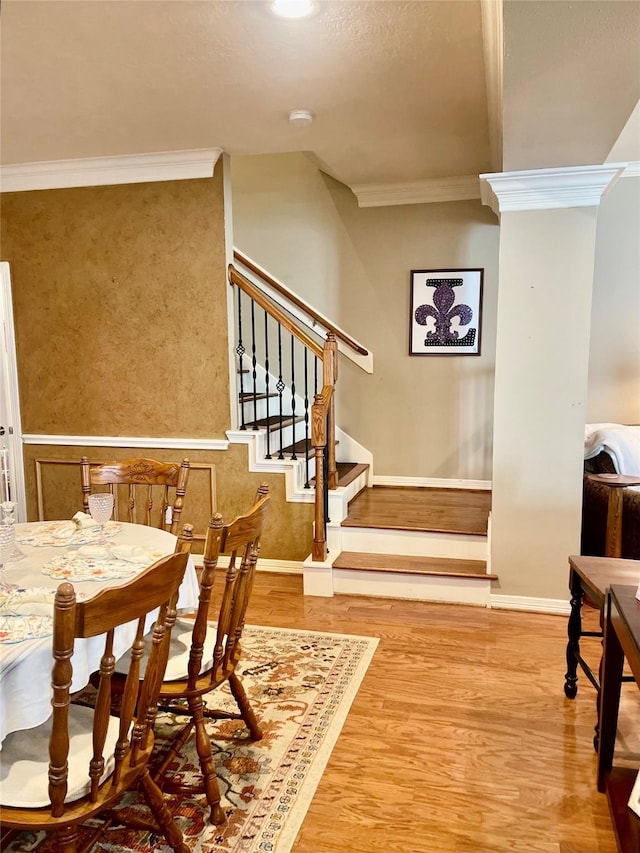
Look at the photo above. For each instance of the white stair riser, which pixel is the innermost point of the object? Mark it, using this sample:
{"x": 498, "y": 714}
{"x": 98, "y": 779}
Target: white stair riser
{"x": 413, "y": 543}
{"x": 287, "y": 438}
{"x": 411, "y": 586}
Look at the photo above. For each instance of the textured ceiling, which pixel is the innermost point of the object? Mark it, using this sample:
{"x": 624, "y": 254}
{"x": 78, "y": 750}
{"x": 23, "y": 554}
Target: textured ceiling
{"x": 397, "y": 88}
{"x": 571, "y": 80}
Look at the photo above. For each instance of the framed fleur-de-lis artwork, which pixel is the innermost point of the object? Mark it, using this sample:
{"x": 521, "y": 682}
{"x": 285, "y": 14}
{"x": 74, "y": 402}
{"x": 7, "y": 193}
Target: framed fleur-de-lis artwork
{"x": 446, "y": 312}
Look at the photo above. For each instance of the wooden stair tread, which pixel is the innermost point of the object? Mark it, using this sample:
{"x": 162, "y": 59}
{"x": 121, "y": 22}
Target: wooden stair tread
{"x": 413, "y": 565}
{"x": 418, "y": 527}
{"x": 273, "y": 423}
{"x": 301, "y": 448}
{"x": 434, "y": 510}
{"x": 350, "y": 471}
{"x": 248, "y": 396}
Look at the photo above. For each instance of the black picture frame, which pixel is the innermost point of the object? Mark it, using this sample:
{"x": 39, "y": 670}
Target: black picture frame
{"x": 446, "y": 312}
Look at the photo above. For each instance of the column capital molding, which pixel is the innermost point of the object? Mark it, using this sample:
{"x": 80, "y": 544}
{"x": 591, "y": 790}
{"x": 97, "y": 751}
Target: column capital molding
{"x": 546, "y": 189}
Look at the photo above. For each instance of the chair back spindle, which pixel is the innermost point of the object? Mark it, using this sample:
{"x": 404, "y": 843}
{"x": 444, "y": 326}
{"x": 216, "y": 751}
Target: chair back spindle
{"x": 149, "y": 483}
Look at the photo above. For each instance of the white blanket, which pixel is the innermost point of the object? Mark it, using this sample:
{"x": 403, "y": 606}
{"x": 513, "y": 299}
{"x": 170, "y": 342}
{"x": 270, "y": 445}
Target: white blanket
{"x": 621, "y": 442}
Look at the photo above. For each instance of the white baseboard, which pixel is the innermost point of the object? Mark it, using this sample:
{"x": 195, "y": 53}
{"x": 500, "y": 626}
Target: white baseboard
{"x": 557, "y": 606}
{"x": 281, "y": 567}
{"x": 431, "y": 482}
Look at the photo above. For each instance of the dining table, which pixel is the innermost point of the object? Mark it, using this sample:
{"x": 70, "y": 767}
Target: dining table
{"x": 47, "y": 554}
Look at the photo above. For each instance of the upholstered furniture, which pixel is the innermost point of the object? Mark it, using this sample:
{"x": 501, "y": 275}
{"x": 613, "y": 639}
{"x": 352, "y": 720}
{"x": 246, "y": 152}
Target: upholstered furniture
{"x": 611, "y": 449}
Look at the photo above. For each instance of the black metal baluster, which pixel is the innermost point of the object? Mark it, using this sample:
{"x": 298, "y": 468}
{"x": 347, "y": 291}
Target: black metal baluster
{"x": 253, "y": 364}
{"x": 280, "y": 386}
{"x": 240, "y": 351}
{"x": 306, "y": 419}
{"x": 266, "y": 382}
{"x": 293, "y": 399}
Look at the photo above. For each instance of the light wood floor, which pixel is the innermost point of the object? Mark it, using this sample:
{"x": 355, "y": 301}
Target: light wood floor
{"x": 407, "y": 508}
{"x": 460, "y": 739}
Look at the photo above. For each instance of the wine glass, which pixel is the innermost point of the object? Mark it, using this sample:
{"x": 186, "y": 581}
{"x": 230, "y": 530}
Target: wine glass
{"x": 7, "y": 538}
{"x": 9, "y": 519}
{"x": 101, "y": 507}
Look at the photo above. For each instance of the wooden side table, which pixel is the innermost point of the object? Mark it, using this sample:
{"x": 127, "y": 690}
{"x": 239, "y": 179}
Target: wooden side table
{"x": 591, "y": 576}
{"x": 621, "y": 640}
{"x": 616, "y": 483}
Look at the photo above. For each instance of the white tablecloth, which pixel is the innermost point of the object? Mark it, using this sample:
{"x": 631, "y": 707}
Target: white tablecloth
{"x": 25, "y": 667}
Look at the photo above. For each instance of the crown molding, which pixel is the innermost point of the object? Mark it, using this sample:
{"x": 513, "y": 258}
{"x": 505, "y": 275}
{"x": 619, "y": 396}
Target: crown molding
{"x": 493, "y": 49}
{"x": 104, "y": 171}
{"x": 545, "y": 189}
{"x": 460, "y": 188}
{"x": 632, "y": 170}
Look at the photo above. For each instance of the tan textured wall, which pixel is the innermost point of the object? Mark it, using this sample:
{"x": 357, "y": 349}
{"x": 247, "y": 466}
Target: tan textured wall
{"x": 120, "y": 303}
{"x": 120, "y": 308}
{"x": 614, "y": 356}
{"x": 289, "y": 531}
{"x": 354, "y": 266}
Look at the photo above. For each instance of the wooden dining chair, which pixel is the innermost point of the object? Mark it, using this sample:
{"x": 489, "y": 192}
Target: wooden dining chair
{"x": 204, "y": 655}
{"x": 154, "y": 494}
{"x": 81, "y": 761}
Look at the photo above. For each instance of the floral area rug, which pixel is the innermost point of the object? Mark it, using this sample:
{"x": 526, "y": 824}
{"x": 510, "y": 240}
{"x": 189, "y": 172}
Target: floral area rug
{"x": 301, "y": 685}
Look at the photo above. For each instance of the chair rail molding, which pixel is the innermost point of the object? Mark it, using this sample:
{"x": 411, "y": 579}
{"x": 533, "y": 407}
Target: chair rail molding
{"x": 104, "y": 171}
{"x": 546, "y": 189}
{"x": 157, "y": 443}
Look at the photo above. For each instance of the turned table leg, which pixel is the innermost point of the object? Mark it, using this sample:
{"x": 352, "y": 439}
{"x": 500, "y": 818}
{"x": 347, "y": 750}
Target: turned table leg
{"x": 574, "y": 631}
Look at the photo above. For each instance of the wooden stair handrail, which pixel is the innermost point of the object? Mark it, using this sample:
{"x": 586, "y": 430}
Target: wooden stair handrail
{"x": 265, "y": 303}
{"x": 295, "y": 300}
{"x": 323, "y": 424}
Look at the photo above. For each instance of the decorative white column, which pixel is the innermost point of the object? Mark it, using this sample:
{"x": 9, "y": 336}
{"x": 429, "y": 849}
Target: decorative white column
{"x": 547, "y": 243}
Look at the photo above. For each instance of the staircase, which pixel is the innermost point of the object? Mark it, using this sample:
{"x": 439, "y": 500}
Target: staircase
{"x": 418, "y": 543}
{"x": 402, "y": 542}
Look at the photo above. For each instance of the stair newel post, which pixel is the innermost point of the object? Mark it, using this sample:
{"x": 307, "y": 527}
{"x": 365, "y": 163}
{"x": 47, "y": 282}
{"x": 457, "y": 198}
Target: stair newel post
{"x": 330, "y": 375}
{"x": 319, "y": 439}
